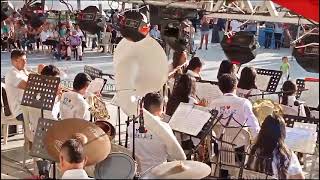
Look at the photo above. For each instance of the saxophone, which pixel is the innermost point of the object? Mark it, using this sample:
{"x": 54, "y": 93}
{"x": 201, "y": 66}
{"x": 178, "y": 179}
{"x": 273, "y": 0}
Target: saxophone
{"x": 98, "y": 108}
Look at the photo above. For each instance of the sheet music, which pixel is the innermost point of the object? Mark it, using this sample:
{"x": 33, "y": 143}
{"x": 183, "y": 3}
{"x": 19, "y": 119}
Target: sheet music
{"x": 311, "y": 97}
{"x": 189, "y": 119}
{"x": 207, "y": 91}
{"x": 262, "y": 81}
{"x": 300, "y": 140}
{"x": 95, "y": 85}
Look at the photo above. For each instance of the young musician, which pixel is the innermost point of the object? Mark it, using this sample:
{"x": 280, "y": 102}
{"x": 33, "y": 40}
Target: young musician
{"x": 283, "y": 163}
{"x": 194, "y": 67}
{"x": 149, "y": 147}
{"x": 73, "y": 104}
{"x": 247, "y": 84}
{"x": 73, "y": 159}
{"x": 230, "y": 103}
{"x": 289, "y": 97}
{"x": 226, "y": 67}
{"x": 16, "y": 81}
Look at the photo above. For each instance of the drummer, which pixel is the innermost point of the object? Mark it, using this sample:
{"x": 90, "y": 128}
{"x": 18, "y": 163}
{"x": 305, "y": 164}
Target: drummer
{"x": 73, "y": 159}
{"x": 149, "y": 147}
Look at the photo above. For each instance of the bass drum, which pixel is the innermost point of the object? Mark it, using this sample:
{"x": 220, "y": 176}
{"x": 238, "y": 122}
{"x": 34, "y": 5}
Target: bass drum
{"x": 264, "y": 107}
{"x": 116, "y": 166}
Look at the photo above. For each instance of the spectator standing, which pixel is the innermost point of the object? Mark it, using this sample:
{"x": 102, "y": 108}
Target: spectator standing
{"x": 252, "y": 27}
{"x": 269, "y": 29}
{"x": 221, "y": 28}
{"x": 285, "y": 67}
{"x": 278, "y": 31}
{"x": 235, "y": 25}
{"x": 155, "y": 33}
{"x": 204, "y": 31}
{"x": 215, "y": 32}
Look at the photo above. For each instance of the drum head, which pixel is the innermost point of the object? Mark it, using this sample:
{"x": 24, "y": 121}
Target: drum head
{"x": 115, "y": 166}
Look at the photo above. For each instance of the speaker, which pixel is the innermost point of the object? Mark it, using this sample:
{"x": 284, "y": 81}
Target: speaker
{"x": 90, "y": 19}
{"x": 241, "y": 47}
{"x": 134, "y": 26}
{"x": 308, "y": 57}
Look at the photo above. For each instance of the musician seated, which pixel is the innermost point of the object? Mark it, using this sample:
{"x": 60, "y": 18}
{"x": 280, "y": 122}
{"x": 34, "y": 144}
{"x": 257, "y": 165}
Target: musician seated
{"x": 289, "y": 89}
{"x": 73, "y": 104}
{"x": 270, "y": 144}
{"x": 194, "y": 68}
{"x": 73, "y": 159}
{"x": 247, "y": 84}
{"x": 149, "y": 147}
{"x": 230, "y": 103}
{"x": 226, "y": 67}
{"x": 16, "y": 82}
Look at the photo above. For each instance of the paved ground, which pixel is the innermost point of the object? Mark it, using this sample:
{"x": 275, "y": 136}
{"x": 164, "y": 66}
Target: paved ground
{"x": 269, "y": 59}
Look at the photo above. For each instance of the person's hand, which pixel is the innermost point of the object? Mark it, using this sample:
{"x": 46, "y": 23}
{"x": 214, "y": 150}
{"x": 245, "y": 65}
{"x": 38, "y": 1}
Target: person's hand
{"x": 203, "y": 102}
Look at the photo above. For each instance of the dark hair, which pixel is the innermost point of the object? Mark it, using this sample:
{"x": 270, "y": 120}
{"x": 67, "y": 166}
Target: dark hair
{"x": 74, "y": 151}
{"x": 226, "y": 67}
{"x": 284, "y": 57}
{"x": 50, "y": 70}
{"x": 227, "y": 83}
{"x": 289, "y": 89}
{"x": 181, "y": 92}
{"x": 248, "y": 78}
{"x": 152, "y": 99}
{"x": 176, "y": 59}
{"x": 194, "y": 63}
{"x": 271, "y": 140}
{"x": 81, "y": 80}
{"x": 15, "y": 54}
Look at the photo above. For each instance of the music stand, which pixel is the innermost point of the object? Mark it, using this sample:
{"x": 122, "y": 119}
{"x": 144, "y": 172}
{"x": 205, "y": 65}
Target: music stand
{"x": 300, "y": 86}
{"x": 40, "y": 93}
{"x": 274, "y": 80}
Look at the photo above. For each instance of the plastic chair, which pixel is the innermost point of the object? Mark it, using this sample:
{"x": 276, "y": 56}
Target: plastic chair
{"x": 6, "y": 121}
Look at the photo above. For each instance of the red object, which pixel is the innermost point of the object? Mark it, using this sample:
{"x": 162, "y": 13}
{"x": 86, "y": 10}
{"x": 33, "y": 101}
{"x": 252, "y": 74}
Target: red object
{"x": 310, "y": 79}
{"x": 306, "y": 8}
{"x": 235, "y": 62}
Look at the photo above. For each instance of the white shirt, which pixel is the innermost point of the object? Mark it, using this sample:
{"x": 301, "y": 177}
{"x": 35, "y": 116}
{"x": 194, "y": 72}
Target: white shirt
{"x": 15, "y": 94}
{"x": 244, "y": 92}
{"x": 278, "y": 28}
{"x": 151, "y": 147}
{"x": 235, "y": 25}
{"x": 241, "y": 109}
{"x": 45, "y": 35}
{"x": 80, "y": 33}
{"x": 294, "y": 165}
{"x": 193, "y": 74}
{"x": 73, "y": 105}
{"x": 75, "y": 174}
{"x": 291, "y": 100}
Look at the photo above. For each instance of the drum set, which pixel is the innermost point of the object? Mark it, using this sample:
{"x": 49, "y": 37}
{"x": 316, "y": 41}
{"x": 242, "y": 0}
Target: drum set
{"x": 107, "y": 160}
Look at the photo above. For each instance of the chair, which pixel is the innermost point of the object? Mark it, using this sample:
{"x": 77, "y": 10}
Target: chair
{"x": 235, "y": 135}
{"x": 6, "y": 120}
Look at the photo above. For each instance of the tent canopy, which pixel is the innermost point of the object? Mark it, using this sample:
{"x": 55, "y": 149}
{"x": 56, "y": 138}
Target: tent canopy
{"x": 306, "y": 8}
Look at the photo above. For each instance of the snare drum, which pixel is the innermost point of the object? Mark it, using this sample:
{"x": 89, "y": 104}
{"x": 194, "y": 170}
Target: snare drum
{"x": 116, "y": 166}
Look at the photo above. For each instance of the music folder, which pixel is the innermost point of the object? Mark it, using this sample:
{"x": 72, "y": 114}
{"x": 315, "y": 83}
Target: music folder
{"x": 192, "y": 120}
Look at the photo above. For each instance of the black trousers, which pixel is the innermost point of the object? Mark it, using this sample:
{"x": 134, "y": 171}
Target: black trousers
{"x": 277, "y": 38}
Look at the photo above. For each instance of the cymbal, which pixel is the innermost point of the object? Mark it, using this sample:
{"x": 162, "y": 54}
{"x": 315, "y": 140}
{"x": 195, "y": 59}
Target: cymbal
{"x": 179, "y": 170}
{"x": 97, "y": 147}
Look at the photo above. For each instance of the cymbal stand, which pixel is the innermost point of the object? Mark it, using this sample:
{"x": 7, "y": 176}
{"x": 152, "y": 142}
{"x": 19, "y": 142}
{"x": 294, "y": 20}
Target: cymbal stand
{"x": 40, "y": 93}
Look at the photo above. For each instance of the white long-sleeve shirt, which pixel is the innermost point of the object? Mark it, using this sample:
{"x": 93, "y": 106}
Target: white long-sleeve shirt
{"x": 157, "y": 145}
{"x": 241, "y": 109}
{"x": 73, "y": 105}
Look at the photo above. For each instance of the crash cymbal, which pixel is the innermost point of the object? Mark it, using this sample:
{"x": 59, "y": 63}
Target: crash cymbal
{"x": 179, "y": 170}
{"x": 97, "y": 145}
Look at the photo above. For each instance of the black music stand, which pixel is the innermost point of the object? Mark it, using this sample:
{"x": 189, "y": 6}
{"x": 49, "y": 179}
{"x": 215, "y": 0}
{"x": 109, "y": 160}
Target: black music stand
{"x": 40, "y": 93}
{"x": 274, "y": 80}
{"x": 300, "y": 86}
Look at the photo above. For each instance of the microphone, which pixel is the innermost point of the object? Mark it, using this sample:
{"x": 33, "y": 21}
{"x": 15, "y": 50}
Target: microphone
{"x": 142, "y": 129}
